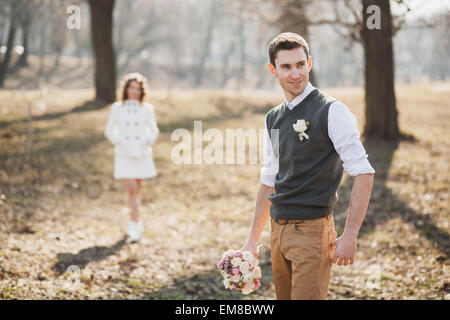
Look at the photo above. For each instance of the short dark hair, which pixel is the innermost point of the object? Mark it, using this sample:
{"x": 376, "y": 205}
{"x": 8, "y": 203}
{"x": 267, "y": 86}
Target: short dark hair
{"x": 286, "y": 41}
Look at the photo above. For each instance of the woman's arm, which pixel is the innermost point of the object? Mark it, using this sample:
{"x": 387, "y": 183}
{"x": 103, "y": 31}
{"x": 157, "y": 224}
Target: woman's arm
{"x": 111, "y": 126}
{"x": 151, "y": 125}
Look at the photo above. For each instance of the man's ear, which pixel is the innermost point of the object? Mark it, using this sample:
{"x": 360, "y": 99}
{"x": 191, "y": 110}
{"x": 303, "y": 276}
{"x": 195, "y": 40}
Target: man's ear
{"x": 309, "y": 63}
{"x": 271, "y": 69}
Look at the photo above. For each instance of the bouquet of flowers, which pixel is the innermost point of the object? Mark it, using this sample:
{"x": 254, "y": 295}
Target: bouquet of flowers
{"x": 240, "y": 270}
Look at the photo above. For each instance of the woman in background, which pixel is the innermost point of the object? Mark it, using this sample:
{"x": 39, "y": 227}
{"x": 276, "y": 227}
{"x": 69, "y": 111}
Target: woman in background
{"x": 132, "y": 129}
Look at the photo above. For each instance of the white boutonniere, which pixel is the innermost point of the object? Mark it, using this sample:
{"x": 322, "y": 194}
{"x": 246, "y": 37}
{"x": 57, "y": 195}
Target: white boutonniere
{"x": 301, "y": 126}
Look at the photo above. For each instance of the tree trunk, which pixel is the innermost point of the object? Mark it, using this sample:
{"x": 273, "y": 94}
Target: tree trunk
{"x": 105, "y": 63}
{"x": 25, "y": 19}
{"x": 9, "y": 48}
{"x": 42, "y": 46}
{"x": 226, "y": 75}
{"x": 294, "y": 18}
{"x": 206, "y": 46}
{"x": 242, "y": 53}
{"x": 23, "y": 60}
{"x": 381, "y": 111}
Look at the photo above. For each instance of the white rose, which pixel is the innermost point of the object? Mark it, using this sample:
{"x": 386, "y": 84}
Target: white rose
{"x": 256, "y": 273}
{"x": 226, "y": 283}
{"x": 246, "y": 291}
{"x": 244, "y": 267}
{"x": 248, "y": 277}
{"x": 247, "y": 255}
{"x": 247, "y": 288}
{"x": 224, "y": 274}
{"x": 235, "y": 278}
{"x": 300, "y": 125}
{"x": 227, "y": 253}
{"x": 254, "y": 262}
{"x": 236, "y": 262}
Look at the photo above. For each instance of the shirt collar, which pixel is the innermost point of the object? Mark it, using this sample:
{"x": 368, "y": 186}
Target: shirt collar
{"x": 309, "y": 87}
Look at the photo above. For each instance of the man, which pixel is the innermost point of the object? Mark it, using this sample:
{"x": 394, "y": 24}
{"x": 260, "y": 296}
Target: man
{"x": 309, "y": 140}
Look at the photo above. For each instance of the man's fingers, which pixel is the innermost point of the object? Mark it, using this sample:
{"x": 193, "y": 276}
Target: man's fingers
{"x": 335, "y": 258}
{"x": 342, "y": 260}
{"x": 338, "y": 256}
{"x": 347, "y": 260}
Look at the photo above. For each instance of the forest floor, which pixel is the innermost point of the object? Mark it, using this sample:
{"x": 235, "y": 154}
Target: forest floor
{"x": 63, "y": 216}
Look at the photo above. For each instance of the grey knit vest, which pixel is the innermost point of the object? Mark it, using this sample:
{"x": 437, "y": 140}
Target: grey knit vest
{"x": 310, "y": 171}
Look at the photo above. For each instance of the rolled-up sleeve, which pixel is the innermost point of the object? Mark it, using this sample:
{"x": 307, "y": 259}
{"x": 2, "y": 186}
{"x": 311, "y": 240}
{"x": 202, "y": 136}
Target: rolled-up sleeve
{"x": 343, "y": 132}
{"x": 269, "y": 168}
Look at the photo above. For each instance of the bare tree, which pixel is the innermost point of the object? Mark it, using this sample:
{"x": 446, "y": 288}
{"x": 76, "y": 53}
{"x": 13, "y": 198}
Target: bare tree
{"x": 381, "y": 110}
{"x": 58, "y": 37}
{"x": 14, "y": 7}
{"x": 206, "y": 46}
{"x": 102, "y": 43}
{"x": 293, "y": 17}
{"x": 226, "y": 73}
{"x": 25, "y": 23}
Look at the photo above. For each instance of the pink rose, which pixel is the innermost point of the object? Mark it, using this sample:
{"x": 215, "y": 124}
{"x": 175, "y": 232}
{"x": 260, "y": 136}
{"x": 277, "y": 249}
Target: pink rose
{"x": 257, "y": 284}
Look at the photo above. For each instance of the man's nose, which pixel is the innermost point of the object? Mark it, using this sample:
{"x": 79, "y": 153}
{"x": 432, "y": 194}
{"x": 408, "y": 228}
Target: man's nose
{"x": 295, "y": 73}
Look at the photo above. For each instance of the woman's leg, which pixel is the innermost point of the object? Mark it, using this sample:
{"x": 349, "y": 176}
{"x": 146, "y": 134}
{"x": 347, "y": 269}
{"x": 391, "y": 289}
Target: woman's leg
{"x": 133, "y": 192}
{"x": 139, "y": 183}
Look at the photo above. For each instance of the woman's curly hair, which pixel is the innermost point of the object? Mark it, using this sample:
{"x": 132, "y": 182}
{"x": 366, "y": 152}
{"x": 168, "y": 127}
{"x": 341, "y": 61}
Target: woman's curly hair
{"x": 139, "y": 78}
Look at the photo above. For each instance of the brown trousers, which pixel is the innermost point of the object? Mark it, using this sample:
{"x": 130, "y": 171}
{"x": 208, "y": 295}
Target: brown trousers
{"x": 302, "y": 257}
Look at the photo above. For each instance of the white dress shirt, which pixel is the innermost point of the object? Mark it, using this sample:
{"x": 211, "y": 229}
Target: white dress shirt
{"x": 343, "y": 132}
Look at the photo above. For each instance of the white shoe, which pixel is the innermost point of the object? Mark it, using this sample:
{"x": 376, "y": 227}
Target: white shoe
{"x": 134, "y": 230}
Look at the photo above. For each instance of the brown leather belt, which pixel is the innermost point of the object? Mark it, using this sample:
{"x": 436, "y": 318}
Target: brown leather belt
{"x": 284, "y": 221}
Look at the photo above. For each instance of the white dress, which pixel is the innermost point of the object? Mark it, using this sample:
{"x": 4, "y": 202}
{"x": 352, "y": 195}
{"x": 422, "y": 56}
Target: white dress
{"x": 132, "y": 129}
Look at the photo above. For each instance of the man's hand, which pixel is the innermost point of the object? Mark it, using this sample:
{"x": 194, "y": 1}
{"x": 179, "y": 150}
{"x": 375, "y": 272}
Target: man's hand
{"x": 359, "y": 200}
{"x": 250, "y": 246}
{"x": 345, "y": 250}
{"x": 260, "y": 218}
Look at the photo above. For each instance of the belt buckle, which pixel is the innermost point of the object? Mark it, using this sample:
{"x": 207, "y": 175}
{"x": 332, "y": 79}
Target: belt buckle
{"x": 278, "y": 222}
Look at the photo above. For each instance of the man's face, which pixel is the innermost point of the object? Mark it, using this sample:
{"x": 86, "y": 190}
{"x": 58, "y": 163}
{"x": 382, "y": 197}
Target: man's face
{"x": 292, "y": 71}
